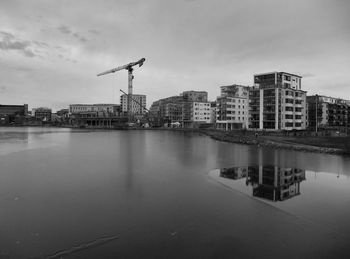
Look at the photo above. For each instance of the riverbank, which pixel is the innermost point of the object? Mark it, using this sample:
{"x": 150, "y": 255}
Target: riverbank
{"x": 321, "y": 144}
{"x": 337, "y": 145}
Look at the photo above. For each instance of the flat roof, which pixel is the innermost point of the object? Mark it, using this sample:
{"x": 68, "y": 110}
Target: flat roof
{"x": 277, "y": 72}
{"x": 99, "y": 104}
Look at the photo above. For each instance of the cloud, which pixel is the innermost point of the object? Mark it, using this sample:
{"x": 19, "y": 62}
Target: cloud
{"x": 3, "y": 88}
{"x": 67, "y": 30}
{"x": 94, "y": 31}
{"x": 64, "y": 29}
{"x": 79, "y": 37}
{"x": 9, "y": 42}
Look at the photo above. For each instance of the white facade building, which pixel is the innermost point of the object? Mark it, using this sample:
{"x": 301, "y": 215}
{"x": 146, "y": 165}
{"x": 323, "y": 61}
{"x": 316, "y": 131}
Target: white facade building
{"x": 200, "y": 112}
{"x": 232, "y": 107}
{"x": 77, "y": 108}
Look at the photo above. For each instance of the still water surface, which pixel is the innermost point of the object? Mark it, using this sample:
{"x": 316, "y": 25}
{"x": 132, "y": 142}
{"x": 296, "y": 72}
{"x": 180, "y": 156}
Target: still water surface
{"x": 160, "y": 194}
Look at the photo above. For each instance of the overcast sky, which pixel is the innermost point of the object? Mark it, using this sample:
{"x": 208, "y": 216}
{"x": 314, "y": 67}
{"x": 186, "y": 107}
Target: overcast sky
{"x": 51, "y": 51}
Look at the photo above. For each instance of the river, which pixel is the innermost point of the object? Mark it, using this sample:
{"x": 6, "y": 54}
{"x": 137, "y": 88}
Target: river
{"x": 68, "y": 193}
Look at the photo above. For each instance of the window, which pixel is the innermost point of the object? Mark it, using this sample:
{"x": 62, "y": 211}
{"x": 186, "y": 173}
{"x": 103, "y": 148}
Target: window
{"x": 287, "y": 78}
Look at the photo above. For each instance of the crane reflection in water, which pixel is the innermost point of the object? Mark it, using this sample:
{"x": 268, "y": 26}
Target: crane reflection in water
{"x": 268, "y": 182}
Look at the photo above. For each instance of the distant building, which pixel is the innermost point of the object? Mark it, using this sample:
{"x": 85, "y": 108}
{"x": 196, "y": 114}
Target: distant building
{"x": 63, "y": 113}
{"x": 232, "y": 107}
{"x": 213, "y": 112}
{"x": 195, "y": 96}
{"x": 96, "y": 115}
{"x": 94, "y": 110}
{"x": 43, "y": 114}
{"x": 190, "y": 108}
{"x": 138, "y": 103}
{"x": 10, "y": 114}
{"x": 276, "y": 102}
{"x": 331, "y": 112}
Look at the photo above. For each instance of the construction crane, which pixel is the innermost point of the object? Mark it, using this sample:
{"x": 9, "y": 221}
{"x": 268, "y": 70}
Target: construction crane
{"x": 131, "y": 77}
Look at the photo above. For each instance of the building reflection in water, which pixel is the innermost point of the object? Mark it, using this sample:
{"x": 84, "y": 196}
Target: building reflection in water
{"x": 268, "y": 182}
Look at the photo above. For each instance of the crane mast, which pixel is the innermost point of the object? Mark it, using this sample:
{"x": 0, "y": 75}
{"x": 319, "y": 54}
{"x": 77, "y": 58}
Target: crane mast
{"x": 130, "y": 69}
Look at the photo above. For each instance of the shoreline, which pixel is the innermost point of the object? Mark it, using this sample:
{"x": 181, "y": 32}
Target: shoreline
{"x": 247, "y": 137}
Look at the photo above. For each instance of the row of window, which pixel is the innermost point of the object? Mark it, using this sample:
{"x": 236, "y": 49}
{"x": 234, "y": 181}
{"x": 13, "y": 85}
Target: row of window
{"x": 290, "y": 109}
{"x": 201, "y": 104}
{"x": 290, "y": 116}
{"x": 290, "y": 124}
{"x": 234, "y": 106}
{"x": 234, "y": 112}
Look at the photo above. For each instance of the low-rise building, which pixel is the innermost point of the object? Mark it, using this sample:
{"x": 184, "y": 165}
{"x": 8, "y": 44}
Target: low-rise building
{"x": 43, "y": 114}
{"x": 10, "y": 114}
{"x": 94, "y": 110}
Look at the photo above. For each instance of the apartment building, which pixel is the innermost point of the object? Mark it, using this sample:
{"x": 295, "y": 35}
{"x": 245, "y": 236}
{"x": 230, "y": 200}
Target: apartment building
{"x": 138, "y": 103}
{"x": 190, "y": 108}
{"x": 232, "y": 107}
{"x": 276, "y": 102}
{"x": 330, "y": 111}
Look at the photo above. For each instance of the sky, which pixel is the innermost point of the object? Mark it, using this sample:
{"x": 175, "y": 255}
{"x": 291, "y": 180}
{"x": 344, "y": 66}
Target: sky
{"x": 52, "y": 50}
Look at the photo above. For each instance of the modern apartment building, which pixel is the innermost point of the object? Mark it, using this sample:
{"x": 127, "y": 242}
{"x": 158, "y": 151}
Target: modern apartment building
{"x": 330, "y": 112}
{"x": 138, "y": 103}
{"x": 200, "y": 112}
{"x": 190, "y": 108}
{"x": 276, "y": 102}
{"x": 232, "y": 107}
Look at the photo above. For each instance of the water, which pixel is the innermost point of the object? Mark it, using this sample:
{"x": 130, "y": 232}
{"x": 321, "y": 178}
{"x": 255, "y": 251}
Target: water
{"x": 158, "y": 194}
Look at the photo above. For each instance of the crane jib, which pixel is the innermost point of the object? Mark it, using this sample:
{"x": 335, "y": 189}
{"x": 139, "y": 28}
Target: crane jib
{"x": 127, "y": 67}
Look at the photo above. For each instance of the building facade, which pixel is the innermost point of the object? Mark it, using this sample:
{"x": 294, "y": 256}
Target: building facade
{"x": 10, "y": 114}
{"x": 276, "y": 102}
{"x": 200, "y": 112}
{"x": 190, "y": 109}
{"x": 95, "y": 110}
{"x": 232, "y": 107}
{"x": 138, "y": 103}
{"x": 330, "y": 112}
{"x": 43, "y": 114}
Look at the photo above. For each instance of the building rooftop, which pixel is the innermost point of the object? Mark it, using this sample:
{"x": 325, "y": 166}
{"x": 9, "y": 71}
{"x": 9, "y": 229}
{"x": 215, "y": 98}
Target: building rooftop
{"x": 268, "y": 73}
